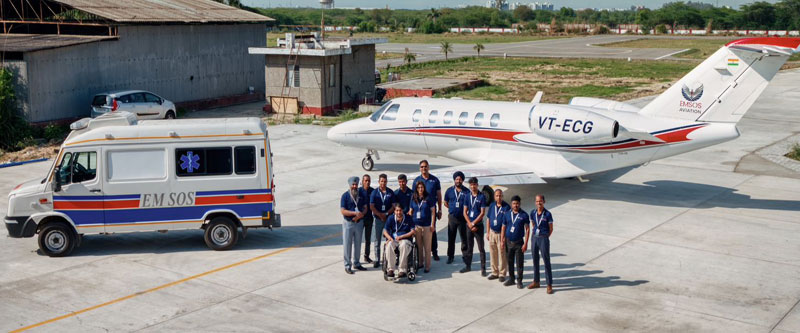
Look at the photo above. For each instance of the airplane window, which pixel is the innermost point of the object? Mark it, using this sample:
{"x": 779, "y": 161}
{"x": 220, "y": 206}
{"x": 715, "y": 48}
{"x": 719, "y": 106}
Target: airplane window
{"x": 479, "y": 119}
{"x": 432, "y": 116}
{"x": 416, "y": 115}
{"x": 494, "y": 120}
{"x": 391, "y": 113}
{"x": 377, "y": 114}
{"x": 462, "y": 118}
{"x": 448, "y": 117}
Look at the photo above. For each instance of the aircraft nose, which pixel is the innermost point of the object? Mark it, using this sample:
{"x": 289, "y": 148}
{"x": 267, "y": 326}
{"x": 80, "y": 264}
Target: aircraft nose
{"x": 336, "y": 133}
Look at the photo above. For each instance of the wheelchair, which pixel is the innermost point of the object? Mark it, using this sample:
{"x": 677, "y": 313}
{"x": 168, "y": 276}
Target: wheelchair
{"x": 413, "y": 256}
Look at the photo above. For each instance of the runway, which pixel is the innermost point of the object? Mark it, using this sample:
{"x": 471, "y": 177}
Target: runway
{"x": 575, "y": 47}
{"x": 682, "y": 244}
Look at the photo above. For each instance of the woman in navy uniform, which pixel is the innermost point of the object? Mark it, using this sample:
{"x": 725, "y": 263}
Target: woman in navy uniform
{"x": 422, "y": 212}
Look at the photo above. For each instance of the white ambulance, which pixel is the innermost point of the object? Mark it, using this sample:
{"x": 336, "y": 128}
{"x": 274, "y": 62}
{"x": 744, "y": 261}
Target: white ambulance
{"x": 116, "y": 174}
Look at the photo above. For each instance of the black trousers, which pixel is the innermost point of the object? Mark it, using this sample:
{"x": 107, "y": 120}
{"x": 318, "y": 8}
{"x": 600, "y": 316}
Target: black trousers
{"x": 472, "y": 238}
{"x": 542, "y": 245}
{"x": 456, "y": 225}
{"x": 368, "y": 236}
{"x": 515, "y": 255}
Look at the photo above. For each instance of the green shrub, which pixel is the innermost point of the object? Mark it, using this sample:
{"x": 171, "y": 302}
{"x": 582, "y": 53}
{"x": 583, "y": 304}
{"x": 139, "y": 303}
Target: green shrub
{"x": 794, "y": 152}
{"x": 14, "y": 130}
{"x": 55, "y": 132}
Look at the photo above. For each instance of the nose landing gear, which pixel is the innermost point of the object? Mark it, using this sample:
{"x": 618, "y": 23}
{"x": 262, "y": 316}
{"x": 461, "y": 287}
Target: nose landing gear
{"x": 367, "y": 163}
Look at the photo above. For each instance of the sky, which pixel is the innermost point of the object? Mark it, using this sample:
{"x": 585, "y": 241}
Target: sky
{"x": 424, "y": 4}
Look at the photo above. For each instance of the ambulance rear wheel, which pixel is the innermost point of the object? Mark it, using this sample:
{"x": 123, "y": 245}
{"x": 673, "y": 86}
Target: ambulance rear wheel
{"x": 57, "y": 240}
{"x": 221, "y": 234}
{"x": 367, "y": 163}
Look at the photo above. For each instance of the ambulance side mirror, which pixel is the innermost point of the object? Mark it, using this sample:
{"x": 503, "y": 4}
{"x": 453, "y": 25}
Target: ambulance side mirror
{"x": 56, "y": 184}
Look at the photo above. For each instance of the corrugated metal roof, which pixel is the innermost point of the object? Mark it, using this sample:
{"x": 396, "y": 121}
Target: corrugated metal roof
{"x": 30, "y": 42}
{"x": 164, "y": 11}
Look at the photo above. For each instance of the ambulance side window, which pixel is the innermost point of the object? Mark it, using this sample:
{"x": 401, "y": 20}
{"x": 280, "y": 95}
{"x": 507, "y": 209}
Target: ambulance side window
{"x": 245, "y": 159}
{"x": 203, "y": 161}
{"x": 77, "y": 167}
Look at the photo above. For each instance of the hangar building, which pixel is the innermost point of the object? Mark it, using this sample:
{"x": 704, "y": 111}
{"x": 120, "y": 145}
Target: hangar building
{"x": 192, "y": 52}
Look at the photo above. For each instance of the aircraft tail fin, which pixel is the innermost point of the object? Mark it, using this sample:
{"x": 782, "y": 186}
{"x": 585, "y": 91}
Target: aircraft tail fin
{"x": 724, "y": 86}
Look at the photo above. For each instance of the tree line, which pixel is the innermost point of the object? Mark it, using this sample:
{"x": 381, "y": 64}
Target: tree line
{"x": 783, "y": 15}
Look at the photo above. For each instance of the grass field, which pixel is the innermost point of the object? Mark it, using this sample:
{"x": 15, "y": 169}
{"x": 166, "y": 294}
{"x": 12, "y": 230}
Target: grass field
{"x": 560, "y": 79}
{"x": 388, "y": 55}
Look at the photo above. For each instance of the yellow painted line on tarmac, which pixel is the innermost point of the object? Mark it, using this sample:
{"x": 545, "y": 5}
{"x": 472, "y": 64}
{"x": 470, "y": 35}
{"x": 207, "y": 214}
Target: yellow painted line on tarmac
{"x": 174, "y": 283}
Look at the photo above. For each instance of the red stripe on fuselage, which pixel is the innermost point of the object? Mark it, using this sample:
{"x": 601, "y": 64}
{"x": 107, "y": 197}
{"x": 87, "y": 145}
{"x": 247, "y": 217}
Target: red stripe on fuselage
{"x": 233, "y": 199}
{"x": 669, "y": 137}
{"x": 468, "y": 132}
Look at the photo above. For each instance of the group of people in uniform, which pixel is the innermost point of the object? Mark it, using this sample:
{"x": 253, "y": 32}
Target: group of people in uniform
{"x": 412, "y": 212}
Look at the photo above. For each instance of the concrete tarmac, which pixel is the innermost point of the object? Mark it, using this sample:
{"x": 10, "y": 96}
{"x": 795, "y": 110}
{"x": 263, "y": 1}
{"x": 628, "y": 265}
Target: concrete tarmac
{"x": 681, "y": 244}
{"x": 575, "y": 47}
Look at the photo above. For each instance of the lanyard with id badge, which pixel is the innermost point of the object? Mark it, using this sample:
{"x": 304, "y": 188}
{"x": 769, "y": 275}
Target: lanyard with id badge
{"x": 497, "y": 212}
{"x": 472, "y": 205}
{"x": 383, "y": 200}
{"x": 514, "y": 222}
{"x": 458, "y": 198}
{"x": 396, "y": 227}
{"x": 538, "y": 218}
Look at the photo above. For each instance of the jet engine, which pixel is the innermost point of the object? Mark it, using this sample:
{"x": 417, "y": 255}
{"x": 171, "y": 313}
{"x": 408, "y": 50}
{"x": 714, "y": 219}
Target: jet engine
{"x": 570, "y": 125}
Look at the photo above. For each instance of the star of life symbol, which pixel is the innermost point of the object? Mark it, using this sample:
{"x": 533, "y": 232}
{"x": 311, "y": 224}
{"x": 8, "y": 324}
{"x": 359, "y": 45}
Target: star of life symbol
{"x": 189, "y": 162}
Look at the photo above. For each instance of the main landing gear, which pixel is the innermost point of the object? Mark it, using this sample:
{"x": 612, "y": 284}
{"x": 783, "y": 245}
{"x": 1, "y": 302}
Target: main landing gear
{"x": 367, "y": 163}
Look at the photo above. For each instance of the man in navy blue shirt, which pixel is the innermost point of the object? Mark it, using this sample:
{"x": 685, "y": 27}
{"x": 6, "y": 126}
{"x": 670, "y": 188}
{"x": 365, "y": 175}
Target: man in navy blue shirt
{"x": 474, "y": 211}
{"x": 366, "y": 191}
{"x": 542, "y": 222}
{"x": 398, "y": 231}
{"x": 454, "y": 199}
{"x": 380, "y": 203}
{"x": 353, "y": 207}
{"x": 403, "y": 193}
{"x": 515, "y": 240}
{"x": 494, "y": 216}
{"x": 434, "y": 188}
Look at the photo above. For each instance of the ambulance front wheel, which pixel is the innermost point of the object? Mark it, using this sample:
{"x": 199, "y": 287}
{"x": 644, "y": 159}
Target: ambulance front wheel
{"x": 367, "y": 163}
{"x": 221, "y": 234}
{"x": 57, "y": 240}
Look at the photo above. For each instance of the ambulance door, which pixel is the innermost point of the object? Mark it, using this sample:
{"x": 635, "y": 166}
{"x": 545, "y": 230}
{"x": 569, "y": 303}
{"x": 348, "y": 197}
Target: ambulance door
{"x": 79, "y": 190}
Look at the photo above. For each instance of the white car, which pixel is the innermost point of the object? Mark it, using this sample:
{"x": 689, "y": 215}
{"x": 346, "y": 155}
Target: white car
{"x": 144, "y": 104}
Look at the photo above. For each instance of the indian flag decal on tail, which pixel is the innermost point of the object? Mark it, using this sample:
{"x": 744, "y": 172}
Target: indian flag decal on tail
{"x": 733, "y": 62}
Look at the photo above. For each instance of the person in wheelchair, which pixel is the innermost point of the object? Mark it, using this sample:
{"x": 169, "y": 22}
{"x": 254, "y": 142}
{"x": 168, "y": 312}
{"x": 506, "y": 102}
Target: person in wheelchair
{"x": 399, "y": 232}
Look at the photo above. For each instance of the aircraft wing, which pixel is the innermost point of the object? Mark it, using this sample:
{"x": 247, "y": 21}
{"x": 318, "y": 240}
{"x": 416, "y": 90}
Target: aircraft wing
{"x": 494, "y": 173}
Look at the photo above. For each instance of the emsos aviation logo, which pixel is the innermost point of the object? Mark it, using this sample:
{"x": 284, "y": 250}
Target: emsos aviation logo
{"x": 691, "y": 94}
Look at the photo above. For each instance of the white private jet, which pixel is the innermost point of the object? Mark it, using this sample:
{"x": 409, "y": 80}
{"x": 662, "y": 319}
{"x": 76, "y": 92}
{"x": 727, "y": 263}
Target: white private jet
{"x": 525, "y": 143}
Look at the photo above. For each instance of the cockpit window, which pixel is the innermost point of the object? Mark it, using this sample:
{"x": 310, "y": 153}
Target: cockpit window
{"x": 448, "y": 117}
{"x": 416, "y": 115}
{"x": 462, "y": 118}
{"x": 391, "y": 112}
{"x": 479, "y": 119}
{"x": 495, "y": 120}
{"x": 432, "y": 116}
{"x": 377, "y": 114}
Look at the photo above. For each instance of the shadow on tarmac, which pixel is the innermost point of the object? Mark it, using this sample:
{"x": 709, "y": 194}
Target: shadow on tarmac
{"x": 192, "y": 240}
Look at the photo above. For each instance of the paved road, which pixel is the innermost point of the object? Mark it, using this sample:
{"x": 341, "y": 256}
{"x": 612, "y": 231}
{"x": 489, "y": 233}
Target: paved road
{"x": 577, "y": 47}
{"x": 682, "y": 244}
